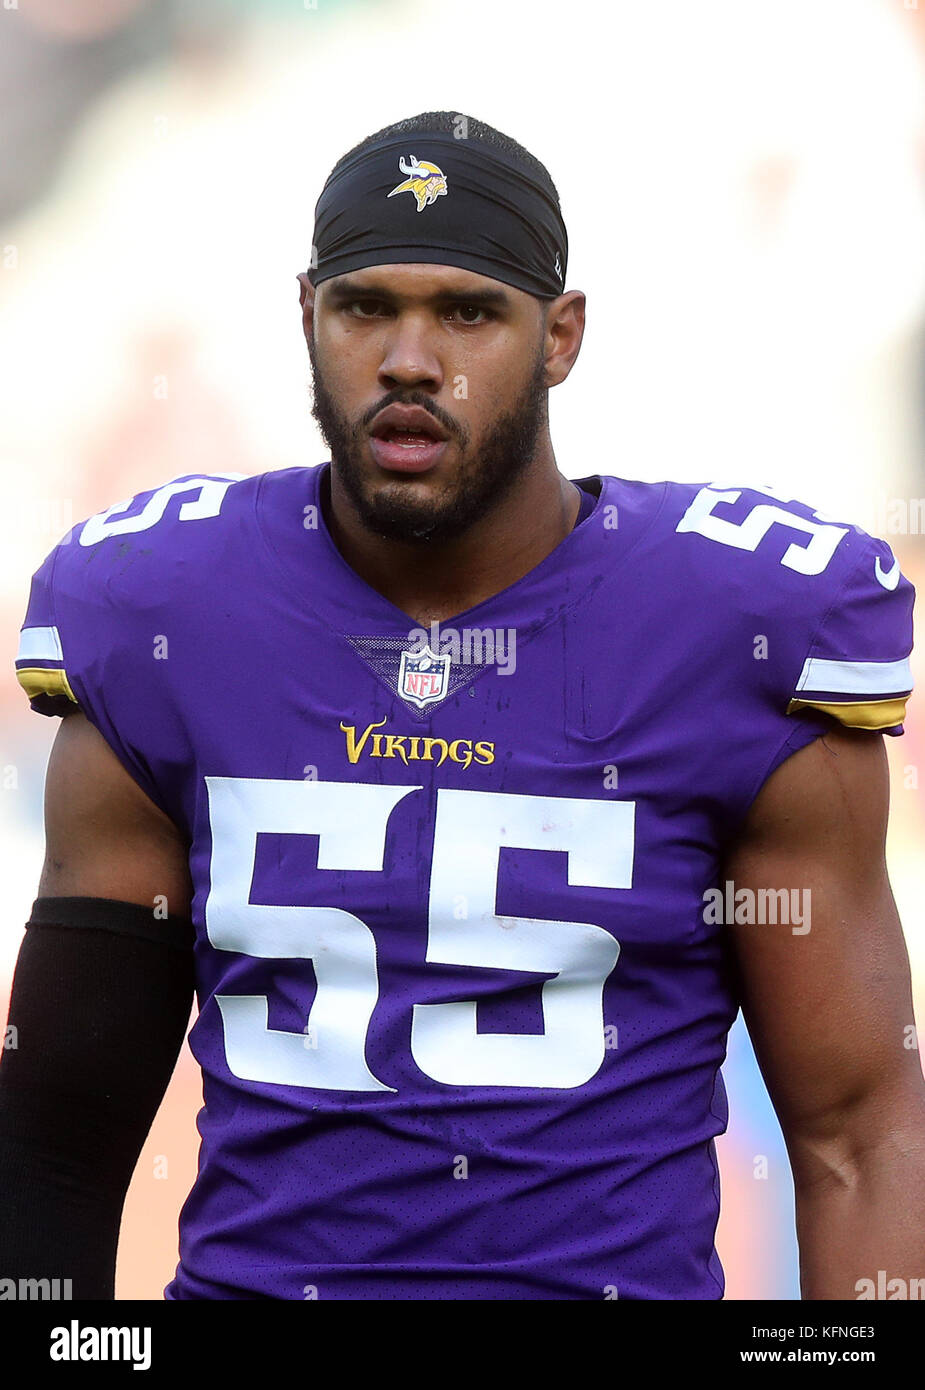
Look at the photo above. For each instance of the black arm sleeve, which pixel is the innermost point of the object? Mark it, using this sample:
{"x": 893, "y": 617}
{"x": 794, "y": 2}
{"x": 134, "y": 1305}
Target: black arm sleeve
{"x": 98, "y": 1016}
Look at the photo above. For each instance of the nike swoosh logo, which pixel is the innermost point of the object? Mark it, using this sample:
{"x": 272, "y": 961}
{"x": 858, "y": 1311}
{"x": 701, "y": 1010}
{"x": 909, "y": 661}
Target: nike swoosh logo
{"x": 891, "y": 578}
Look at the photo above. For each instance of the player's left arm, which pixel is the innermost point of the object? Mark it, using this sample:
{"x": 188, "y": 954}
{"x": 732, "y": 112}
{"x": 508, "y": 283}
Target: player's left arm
{"x": 830, "y": 1013}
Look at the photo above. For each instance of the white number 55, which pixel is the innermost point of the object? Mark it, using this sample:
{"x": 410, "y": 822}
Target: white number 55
{"x": 809, "y": 558}
{"x": 350, "y": 820}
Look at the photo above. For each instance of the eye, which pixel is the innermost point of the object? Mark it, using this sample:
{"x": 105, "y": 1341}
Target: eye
{"x": 472, "y": 309}
{"x": 355, "y": 303}
{"x": 371, "y": 309}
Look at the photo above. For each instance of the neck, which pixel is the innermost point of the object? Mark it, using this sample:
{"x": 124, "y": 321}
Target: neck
{"x": 435, "y": 584}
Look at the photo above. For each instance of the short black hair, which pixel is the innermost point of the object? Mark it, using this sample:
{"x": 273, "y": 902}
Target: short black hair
{"x": 450, "y": 122}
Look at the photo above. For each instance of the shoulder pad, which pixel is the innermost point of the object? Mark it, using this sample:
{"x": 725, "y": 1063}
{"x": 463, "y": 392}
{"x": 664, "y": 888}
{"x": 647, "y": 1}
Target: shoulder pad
{"x": 853, "y": 604}
{"x": 76, "y": 590}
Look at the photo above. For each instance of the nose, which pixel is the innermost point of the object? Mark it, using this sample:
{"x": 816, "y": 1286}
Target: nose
{"x": 409, "y": 359}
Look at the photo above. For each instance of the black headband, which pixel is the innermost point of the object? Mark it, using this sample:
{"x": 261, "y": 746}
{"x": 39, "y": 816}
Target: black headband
{"x": 443, "y": 201}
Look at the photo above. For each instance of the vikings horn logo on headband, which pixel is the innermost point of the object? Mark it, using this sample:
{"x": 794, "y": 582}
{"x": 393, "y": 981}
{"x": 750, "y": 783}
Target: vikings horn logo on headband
{"x": 425, "y": 180}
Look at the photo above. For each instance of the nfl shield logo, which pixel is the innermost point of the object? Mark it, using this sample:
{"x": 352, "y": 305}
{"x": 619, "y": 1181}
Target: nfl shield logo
{"x": 423, "y": 677}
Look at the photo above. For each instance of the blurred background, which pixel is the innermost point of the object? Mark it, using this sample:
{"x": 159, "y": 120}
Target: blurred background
{"x": 744, "y": 189}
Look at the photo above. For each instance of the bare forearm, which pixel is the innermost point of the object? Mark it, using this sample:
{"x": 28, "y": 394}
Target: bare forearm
{"x": 862, "y": 1224}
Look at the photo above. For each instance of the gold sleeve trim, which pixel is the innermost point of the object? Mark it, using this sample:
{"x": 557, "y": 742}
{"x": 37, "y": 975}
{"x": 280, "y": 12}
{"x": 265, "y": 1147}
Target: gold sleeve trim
{"x": 866, "y": 714}
{"x": 37, "y": 681}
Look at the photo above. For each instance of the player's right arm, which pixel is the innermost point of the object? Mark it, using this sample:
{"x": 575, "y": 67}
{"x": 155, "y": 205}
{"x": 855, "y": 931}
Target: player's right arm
{"x": 104, "y": 838}
{"x": 100, "y": 1002}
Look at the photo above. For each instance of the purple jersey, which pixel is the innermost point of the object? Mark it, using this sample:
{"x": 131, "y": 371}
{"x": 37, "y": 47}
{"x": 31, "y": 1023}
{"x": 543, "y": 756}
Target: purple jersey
{"x": 461, "y": 1007}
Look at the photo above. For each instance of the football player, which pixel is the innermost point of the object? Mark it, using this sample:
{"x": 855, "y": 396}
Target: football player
{"x": 473, "y": 802}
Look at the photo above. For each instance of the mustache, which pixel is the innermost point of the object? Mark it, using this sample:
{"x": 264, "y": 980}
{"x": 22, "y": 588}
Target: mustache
{"x": 416, "y": 399}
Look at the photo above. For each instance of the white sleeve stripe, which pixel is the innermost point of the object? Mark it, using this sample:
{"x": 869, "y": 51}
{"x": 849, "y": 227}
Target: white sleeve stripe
{"x": 856, "y": 677}
{"x": 39, "y": 644}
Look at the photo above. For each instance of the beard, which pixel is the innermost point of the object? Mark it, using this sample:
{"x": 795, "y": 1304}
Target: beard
{"x": 484, "y": 477}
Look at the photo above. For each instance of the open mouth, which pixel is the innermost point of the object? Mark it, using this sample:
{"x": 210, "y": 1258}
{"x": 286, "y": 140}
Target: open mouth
{"x": 406, "y": 451}
{"x": 408, "y": 439}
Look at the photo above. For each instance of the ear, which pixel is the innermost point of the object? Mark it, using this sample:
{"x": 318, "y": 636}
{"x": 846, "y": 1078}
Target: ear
{"x": 306, "y": 288}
